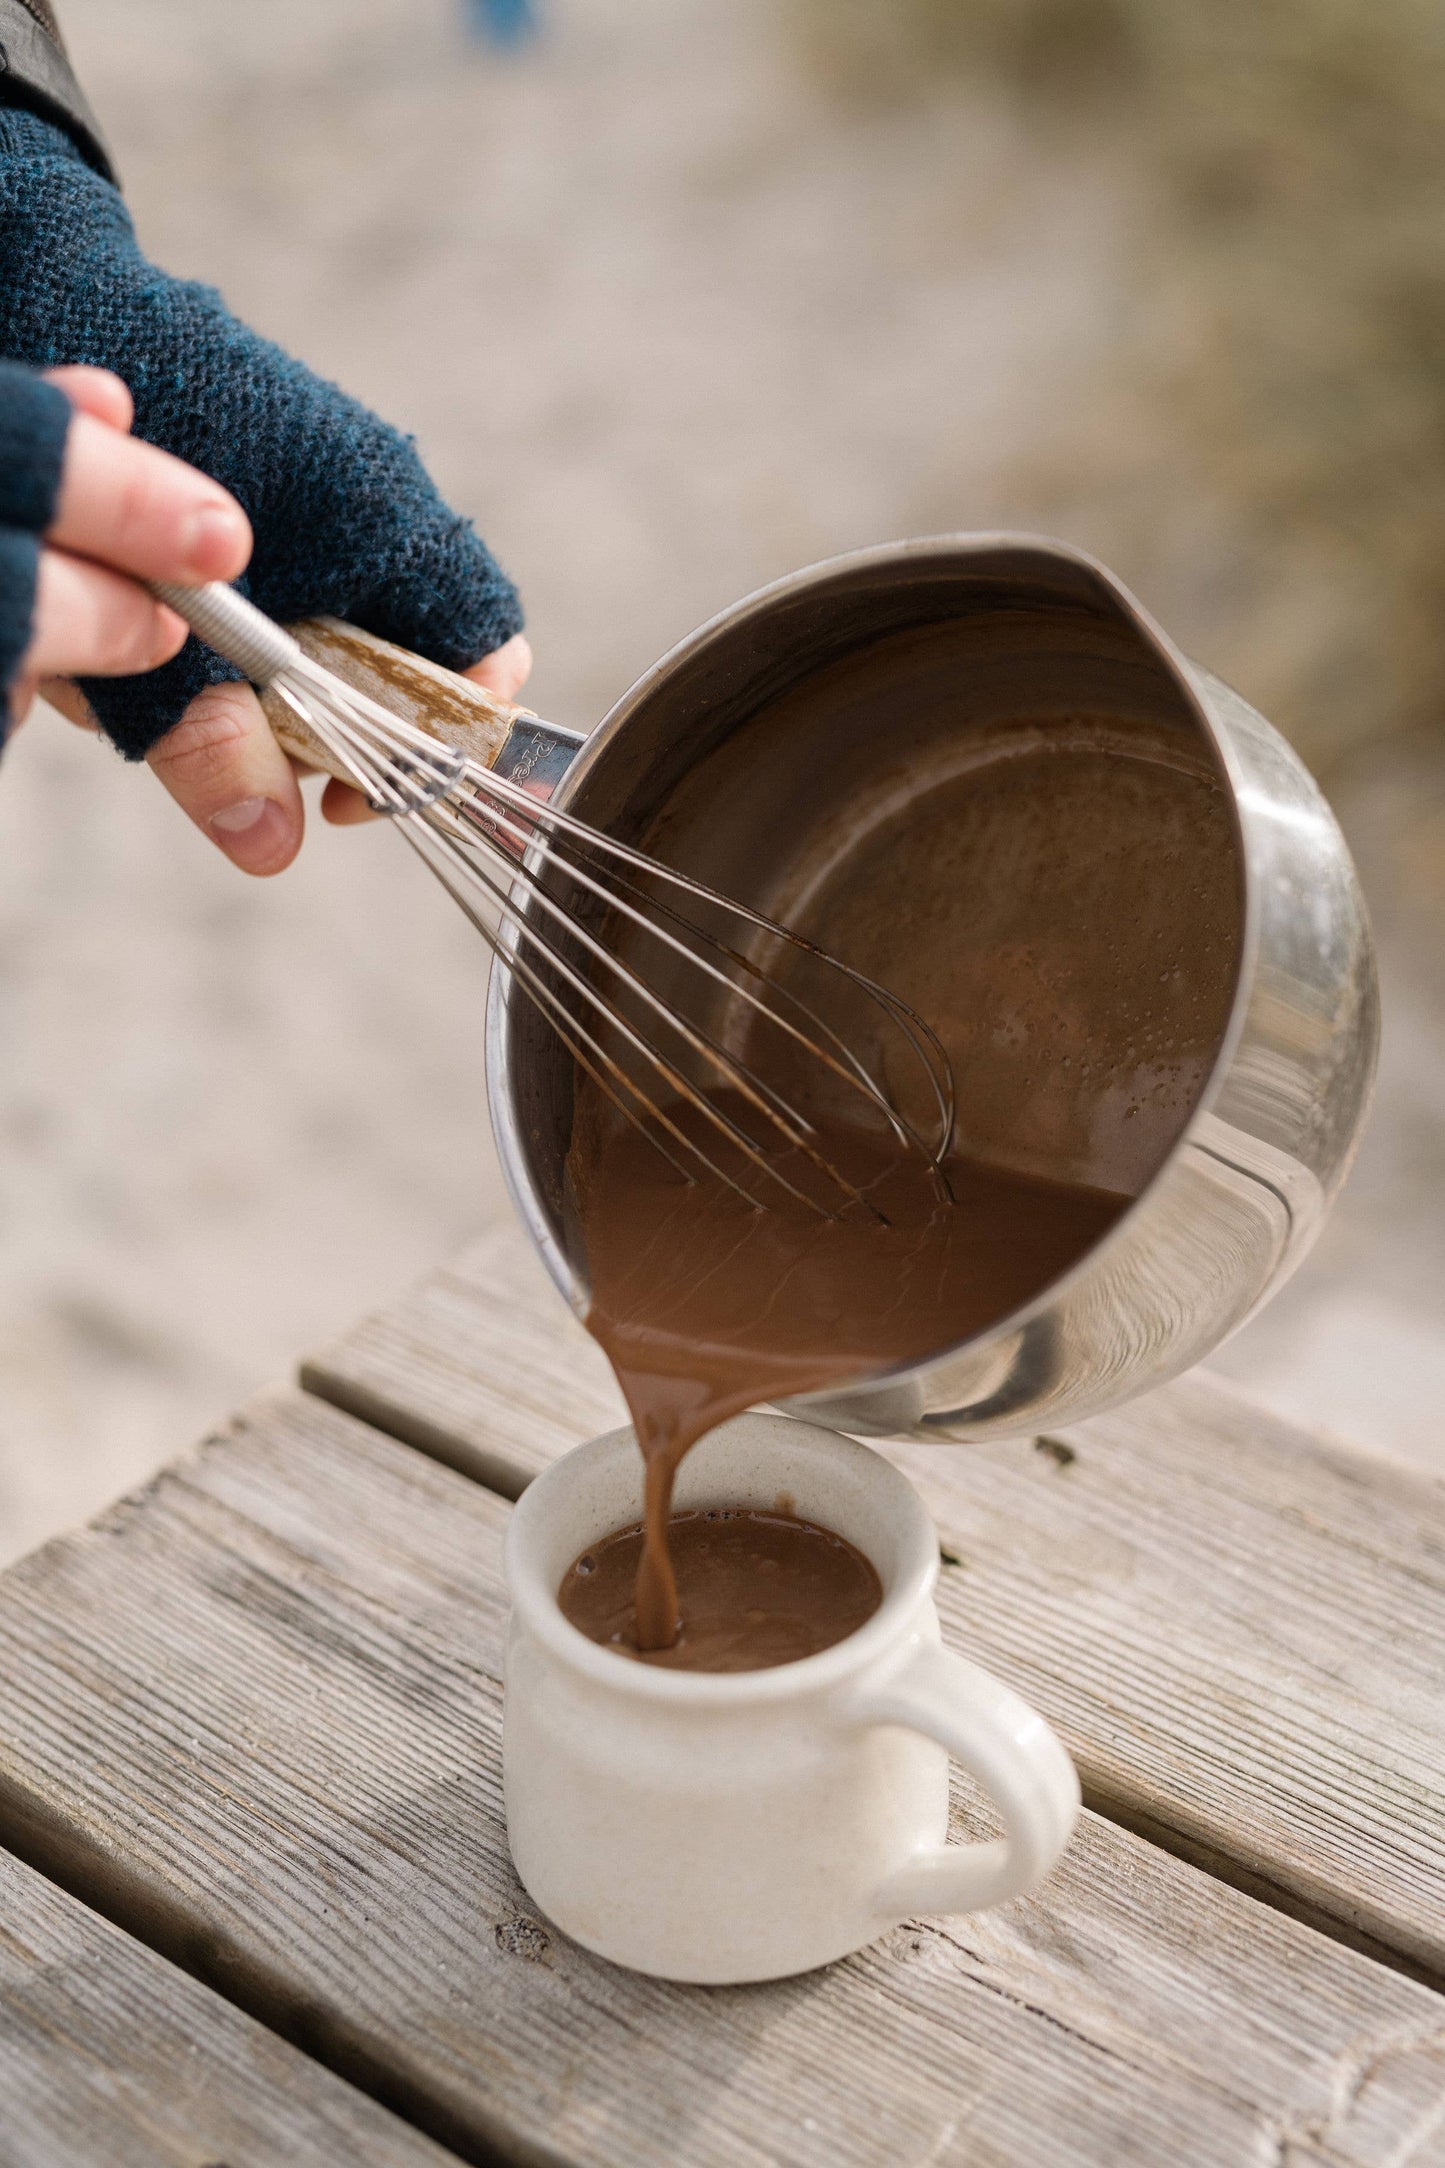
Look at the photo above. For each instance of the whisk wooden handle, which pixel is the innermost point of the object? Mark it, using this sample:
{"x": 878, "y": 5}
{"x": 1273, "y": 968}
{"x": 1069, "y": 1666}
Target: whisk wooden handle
{"x": 427, "y": 699}
{"x": 450, "y": 707}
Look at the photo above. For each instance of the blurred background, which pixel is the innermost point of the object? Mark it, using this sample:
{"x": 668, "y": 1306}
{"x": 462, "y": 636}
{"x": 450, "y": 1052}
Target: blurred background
{"x": 678, "y": 296}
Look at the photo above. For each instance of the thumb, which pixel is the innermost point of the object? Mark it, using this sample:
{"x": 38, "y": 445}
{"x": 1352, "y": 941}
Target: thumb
{"x": 222, "y": 765}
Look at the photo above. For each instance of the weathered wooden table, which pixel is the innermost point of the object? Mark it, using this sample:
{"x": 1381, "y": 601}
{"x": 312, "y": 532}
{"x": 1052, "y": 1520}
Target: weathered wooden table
{"x": 255, "y": 1900}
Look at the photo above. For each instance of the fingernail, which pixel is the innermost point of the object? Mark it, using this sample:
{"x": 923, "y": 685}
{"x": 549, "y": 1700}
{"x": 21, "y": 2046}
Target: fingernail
{"x": 257, "y": 835}
{"x": 216, "y": 541}
{"x": 234, "y": 820}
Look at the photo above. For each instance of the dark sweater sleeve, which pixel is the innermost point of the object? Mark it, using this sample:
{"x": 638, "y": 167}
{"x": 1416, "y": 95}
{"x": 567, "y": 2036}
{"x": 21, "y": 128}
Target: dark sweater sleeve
{"x": 34, "y": 424}
{"x": 347, "y": 522}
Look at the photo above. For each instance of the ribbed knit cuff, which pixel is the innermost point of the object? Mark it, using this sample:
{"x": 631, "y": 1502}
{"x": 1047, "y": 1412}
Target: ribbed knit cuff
{"x": 34, "y": 423}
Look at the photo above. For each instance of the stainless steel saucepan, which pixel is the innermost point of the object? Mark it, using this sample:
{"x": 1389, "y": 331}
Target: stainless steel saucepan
{"x": 977, "y": 757}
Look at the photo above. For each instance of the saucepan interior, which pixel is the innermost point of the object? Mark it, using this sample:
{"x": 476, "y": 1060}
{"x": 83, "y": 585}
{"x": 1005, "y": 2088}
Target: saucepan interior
{"x": 969, "y": 771}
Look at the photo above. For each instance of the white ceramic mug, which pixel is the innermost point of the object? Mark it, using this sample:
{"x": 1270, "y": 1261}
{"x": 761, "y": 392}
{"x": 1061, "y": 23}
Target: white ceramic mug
{"x": 742, "y": 1826}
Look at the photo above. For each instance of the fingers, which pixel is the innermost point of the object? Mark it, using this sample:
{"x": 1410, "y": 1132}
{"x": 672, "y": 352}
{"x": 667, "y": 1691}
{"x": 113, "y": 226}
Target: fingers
{"x": 90, "y": 622}
{"x": 18, "y": 700}
{"x": 506, "y": 670}
{"x": 97, "y": 392}
{"x": 68, "y": 700}
{"x": 131, "y": 506}
{"x": 224, "y": 768}
{"x": 344, "y": 807}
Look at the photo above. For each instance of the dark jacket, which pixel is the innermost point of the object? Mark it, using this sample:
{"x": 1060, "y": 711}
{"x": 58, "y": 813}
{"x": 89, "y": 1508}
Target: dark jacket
{"x": 39, "y": 77}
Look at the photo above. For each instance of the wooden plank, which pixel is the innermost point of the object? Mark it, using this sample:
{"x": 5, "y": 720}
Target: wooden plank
{"x": 254, "y": 1712}
{"x": 1239, "y": 1627}
{"x": 111, "y": 2058}
{"x": 1241, "y": 1630}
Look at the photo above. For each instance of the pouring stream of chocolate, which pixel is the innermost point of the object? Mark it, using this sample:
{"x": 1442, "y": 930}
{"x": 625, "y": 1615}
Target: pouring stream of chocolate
{"x": 707, "y": 1305}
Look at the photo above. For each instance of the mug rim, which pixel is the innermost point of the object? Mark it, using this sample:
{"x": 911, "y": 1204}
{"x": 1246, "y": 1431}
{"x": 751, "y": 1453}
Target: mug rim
{"x": 535, "y": 1605}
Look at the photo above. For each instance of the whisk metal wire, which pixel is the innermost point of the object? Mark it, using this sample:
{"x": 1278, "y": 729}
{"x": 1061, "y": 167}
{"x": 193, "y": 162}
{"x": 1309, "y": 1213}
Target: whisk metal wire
{"x": 501, "y": 853}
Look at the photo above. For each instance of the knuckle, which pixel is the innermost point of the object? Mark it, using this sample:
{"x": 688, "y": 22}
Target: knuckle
{"x": 203, "y": 743}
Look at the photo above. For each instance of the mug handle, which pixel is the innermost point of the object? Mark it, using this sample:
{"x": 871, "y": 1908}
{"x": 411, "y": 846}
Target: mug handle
{"x": 1014, "y": 1757}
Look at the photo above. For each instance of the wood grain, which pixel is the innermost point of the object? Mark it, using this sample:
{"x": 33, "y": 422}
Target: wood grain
{"x": 111, "y": 2058}
{"x": 254, "y": 1712}
{"x": 1238, "y": 1627}
{"x": 1241, "y": 1630}
{"x": 436, "y": 700}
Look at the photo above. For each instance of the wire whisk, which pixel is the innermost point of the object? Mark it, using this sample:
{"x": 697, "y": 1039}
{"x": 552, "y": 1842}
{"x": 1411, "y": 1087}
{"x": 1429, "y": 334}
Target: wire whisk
{"x": 717, "y": 1032}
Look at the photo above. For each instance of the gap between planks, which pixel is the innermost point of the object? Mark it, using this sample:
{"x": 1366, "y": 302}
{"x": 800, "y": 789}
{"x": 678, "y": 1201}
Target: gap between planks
{"x": 110, "y": 2057}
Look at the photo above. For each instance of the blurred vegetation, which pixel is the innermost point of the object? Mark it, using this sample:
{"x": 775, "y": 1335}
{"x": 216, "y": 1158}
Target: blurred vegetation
{"x": 1263, "y": 449}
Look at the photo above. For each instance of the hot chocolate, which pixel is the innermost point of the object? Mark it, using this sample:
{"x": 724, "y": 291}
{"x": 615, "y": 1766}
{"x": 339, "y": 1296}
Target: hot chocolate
{"x": 707, "y": 1305}
{"x": 755, "y": 1589}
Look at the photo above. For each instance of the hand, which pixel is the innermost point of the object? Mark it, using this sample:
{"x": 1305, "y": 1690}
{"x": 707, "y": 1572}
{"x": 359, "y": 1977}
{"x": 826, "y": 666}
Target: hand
{"x": 221, "y": 762}
{"x": 223, "y": 766}
{"x": 123, "y": 507}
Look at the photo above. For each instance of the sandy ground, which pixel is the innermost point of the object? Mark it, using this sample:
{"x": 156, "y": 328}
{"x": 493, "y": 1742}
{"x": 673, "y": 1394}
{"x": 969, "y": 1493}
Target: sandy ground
{"x": 666, "y": 324}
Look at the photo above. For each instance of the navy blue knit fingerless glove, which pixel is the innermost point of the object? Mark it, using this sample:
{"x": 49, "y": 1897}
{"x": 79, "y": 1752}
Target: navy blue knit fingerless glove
{"x": 34, "y": 423}
{"x": 347, "y": 521}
